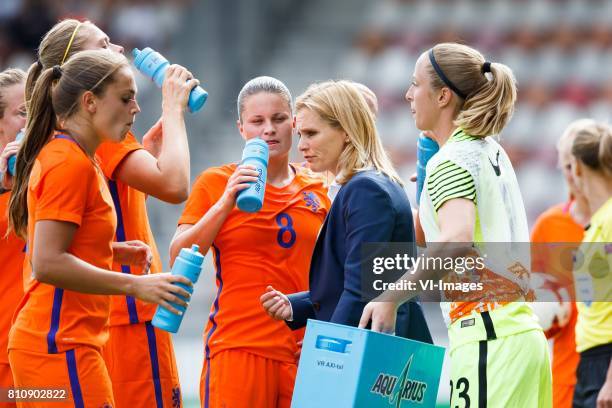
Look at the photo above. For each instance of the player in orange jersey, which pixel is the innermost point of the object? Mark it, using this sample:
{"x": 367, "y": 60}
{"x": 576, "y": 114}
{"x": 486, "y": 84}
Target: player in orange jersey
{"x": 159, "y": 167}
{"x": 249, "y": 358}
{"x": 12, "y": 119}
{"x": 562, "y": 224}
{"x": 61, "y": 202}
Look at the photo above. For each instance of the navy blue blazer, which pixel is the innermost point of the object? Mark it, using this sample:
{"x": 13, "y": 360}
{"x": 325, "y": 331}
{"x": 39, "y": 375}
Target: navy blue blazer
{"x": 370, "y": 207}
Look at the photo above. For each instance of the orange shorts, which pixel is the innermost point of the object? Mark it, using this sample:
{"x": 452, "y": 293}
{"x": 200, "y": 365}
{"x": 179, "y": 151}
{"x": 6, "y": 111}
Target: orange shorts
{"x": 81, "y": 372}
{"x": 237, "y": 379}
{"x": 142, "y": 367}
{"x": 6, "y": 381}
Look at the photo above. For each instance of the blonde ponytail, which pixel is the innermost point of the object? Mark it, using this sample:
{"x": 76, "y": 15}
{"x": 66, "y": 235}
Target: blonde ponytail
{"x": 485, "y": 105}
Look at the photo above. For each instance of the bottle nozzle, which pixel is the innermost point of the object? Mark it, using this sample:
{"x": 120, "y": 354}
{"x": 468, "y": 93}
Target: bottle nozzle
{"x": 195, "y": 248}
{"x": 135, "y": 52}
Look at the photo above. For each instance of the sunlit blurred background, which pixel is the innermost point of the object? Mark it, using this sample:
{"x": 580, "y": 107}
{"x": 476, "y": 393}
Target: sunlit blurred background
{"x": 560, "y": 51}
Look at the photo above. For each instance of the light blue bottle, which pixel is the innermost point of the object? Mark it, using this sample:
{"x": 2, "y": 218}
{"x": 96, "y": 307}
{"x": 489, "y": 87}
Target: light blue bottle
{"x": 188, "y": 264}
{"x": 426, "y": 148}
{"x": 154, "y": 65}
{"x": 256, "y": 154}
{"x": 13, "y": 159}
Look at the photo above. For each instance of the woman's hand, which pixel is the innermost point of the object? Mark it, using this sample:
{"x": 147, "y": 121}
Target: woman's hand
{"x": 11, "y": 148}
{"x": 177, "y": 86}
{"x": 242, "y": 178}
{"x": 135, "y": 253}
{"x": 276, "y": 304}
{"x": 382, "y": 315}
{"x": 153, "y": 140}
{"x": 159, "y": 288}
{"x": 604, "y": 398}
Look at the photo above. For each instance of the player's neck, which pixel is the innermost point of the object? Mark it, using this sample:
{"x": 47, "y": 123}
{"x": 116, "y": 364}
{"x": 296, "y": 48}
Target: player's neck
{"x": 580, "y": 211}
{"x": 599, "y": 192}
{"x": 280, "y": 173}
{"x": 83, "y": 135}
{"x": 443, "y": 131}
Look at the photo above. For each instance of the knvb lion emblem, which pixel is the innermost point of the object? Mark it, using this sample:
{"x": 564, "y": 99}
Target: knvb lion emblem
{"x": 311, "y": 201}
{"x": 399, "y": 389}
{"x": 176, "y": 397}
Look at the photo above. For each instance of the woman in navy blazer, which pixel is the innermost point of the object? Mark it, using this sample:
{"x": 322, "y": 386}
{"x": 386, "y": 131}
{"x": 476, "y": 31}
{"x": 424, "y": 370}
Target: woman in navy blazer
{"x": 338, "y": 135}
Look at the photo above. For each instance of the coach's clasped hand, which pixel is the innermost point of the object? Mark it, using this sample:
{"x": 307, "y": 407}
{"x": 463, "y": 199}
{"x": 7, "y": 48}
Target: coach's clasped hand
{"x": 276, "y": 304}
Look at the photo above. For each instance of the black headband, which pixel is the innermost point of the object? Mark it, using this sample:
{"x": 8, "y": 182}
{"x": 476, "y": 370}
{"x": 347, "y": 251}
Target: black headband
{"x": 443, "y": 77}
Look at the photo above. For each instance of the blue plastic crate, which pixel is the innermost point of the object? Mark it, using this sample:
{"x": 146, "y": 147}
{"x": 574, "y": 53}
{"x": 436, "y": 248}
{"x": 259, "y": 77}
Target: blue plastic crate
{"x": 344, "y": 366}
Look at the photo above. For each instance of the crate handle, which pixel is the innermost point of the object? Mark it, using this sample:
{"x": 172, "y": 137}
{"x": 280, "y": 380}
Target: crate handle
{"x": 333, "y": 344}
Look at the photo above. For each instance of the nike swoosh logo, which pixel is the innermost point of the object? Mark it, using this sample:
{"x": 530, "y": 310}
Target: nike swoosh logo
{"x": 496, "y": 166}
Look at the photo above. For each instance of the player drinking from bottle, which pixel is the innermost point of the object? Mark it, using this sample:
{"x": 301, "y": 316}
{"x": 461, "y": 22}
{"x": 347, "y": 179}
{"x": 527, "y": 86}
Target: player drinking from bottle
{"x": 140, "y": 357}
{"x": 62, "y": 204}
{"x": 249, "y": 359}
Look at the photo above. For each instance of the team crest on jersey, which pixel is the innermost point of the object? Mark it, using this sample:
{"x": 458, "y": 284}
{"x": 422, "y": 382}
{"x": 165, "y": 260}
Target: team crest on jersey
{"x": 311, "y": 201}
{"x": 176, "y": 397}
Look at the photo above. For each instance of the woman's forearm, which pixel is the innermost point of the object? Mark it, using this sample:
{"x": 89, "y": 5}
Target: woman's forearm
{"x": 66, "y": 271}
{"x": 173, "y": 160}
{"x": 202, "y": 233}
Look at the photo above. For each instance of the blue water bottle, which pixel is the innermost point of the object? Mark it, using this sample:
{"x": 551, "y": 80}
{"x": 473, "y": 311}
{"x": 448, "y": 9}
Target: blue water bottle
{"x": 154, "y": 65}
{"x": 426, "y": 148}
{"x": 13, "y": 159}
{"x": 256, "y": 154}
{"x": 188, "y": 264}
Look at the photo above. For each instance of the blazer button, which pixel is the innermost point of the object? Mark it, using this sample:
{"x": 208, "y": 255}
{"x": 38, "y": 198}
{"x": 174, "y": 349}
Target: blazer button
{"x": 316, "y": 306}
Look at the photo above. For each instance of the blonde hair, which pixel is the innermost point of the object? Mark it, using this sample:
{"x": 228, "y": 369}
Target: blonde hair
{"x": 8, "y": 78}
{"x": 264, "y": 84}
{"x": 55, "y": 47}
{"x": 369, "y": 96}
{"x": 567, "y": 138}
{"x": 342, "y": 105}
{"x": 593, "y": 146}
{"x": 488, "y": 103}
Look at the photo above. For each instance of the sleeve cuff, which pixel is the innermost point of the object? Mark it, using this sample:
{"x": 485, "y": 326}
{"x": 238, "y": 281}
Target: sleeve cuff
{"x": 290, "y": 319}
{"x": 57, "y": 215}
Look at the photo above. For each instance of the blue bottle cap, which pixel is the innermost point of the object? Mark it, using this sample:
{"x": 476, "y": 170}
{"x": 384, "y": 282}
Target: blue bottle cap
{"x": 140, "y": 55}
{"x": 257, "y": 141}
{"x": 256, "y": 148}
{"x": 192, "y": 255}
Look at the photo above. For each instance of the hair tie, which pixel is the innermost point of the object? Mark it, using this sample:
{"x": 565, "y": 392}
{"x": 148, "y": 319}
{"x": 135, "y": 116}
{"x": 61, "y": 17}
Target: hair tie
{"x": 486, "y": 67}
{"x": 57, "y": 72}
{"x": 443, "y": 77}
{"x": 70, "y": 42}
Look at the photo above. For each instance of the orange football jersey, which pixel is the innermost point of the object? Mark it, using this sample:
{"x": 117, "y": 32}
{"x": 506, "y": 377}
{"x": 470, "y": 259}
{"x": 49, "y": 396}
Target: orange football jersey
{"x": 65, "y": 185}
{"x": 253, "y": 250}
